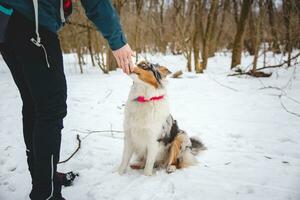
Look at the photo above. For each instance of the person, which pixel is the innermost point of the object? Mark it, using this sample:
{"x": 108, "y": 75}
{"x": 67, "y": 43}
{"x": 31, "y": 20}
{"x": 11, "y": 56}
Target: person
{"x": 31, "y": 49}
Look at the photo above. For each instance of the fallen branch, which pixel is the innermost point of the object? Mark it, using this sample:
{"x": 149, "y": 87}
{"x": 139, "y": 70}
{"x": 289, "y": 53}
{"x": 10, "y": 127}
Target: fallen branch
{"x": 177, "y": 74}
{"x": 256, "y": 74}
{"x": 77, "y": 149}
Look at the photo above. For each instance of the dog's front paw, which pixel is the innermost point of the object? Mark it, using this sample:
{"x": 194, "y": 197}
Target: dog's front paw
{"x": 121, "y": 171}
{"x": 171, "y": 169}
{"x": 148, "y": 172}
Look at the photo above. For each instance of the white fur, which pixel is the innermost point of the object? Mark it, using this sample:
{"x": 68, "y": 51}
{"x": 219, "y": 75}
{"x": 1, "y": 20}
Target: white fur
{"x": 143, "y": 124}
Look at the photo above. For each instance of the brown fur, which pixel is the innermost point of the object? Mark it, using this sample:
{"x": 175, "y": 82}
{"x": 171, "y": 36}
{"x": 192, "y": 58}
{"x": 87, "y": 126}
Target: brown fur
{"x": 175, "y": 151}
{"x": 164, "y": 71}
{"x": 146, "y": 76}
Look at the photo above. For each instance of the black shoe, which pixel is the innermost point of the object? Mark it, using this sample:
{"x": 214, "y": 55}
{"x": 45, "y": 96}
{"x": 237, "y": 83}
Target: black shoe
{"x": 66, "y": 179}
{"x": 57, "y": 198}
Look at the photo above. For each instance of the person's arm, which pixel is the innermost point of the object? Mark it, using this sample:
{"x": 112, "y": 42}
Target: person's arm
{"x": 104, "y": 16}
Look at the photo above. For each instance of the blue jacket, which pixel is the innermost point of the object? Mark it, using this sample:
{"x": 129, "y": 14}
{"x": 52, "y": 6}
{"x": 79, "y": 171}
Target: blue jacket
{"x": 100, "y": 12}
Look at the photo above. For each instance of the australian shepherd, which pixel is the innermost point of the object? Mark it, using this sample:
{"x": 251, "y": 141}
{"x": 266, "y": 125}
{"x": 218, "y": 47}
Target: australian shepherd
{"x": 151, "y": 133}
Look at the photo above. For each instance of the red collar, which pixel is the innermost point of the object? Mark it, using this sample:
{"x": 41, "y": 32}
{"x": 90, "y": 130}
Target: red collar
{"x": 141, "y": 99}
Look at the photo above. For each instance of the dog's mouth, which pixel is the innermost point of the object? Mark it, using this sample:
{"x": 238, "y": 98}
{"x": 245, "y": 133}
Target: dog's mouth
{"x": 135, "y": 72}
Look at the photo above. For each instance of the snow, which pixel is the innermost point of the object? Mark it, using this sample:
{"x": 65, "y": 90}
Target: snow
{"x": 253, "y": 142}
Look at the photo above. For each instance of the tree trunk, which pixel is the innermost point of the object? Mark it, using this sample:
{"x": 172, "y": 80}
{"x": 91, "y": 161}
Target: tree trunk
{"x": 212, "y": 37}
{"x": 111, "y": 62}
{"x": 189, "y": 61}
{"x": 250, "y": 42}
{"x": 238, "y": 40}
{"x": 139, "y": 6}
{"x": 258, "y": 34}
{"x": 287, "y": 8}
{"x": 90, "y": 47}
{"x": 223, "y": 19}
{"x": 208, "y": 33}
{"x": 79, "y": 56}
{"x": 196, "y": 38}
{"x": 236, "y": 11}
{"x": 275, "y": 45}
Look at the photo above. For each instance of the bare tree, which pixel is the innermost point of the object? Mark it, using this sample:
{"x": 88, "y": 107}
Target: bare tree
{"x": 197, "y": 35}
{"x": 274, "y": 45}
{"x": 258, "y": 33}
{"x": 287, "y": 8}
{"x": 238, "y": 40}
{"x": 209, "y": 32}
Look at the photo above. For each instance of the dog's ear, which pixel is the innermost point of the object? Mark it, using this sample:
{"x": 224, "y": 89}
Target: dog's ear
{"x": 164, "y": 71}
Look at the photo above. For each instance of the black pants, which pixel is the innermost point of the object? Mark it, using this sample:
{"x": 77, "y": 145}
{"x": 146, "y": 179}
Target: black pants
{"x": 43, "y": 92}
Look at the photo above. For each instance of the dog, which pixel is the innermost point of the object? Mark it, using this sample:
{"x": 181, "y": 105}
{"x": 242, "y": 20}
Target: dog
{"x": 151, "y": 133}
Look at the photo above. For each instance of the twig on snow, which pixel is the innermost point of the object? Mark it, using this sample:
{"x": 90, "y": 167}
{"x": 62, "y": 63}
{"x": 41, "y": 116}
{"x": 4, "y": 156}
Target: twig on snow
{"x": 77, "y": 149}
{"x": 283, "y": 94}
{"x": 89, "y": 132}
{"x": 233, "y": 89}
{"x": 291, "y": 112}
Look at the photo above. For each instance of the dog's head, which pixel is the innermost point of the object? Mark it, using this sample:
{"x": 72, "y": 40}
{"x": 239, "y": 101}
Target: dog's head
{"x": 150, "y": 74}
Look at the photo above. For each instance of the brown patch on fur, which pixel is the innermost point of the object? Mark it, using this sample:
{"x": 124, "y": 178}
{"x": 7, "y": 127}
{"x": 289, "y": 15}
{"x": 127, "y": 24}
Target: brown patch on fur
{"x": 175, "y": 151}
{"x": 146, "y": 76}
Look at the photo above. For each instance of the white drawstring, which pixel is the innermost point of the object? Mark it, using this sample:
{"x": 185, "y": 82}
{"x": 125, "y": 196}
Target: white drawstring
{"x": 37, "y": 41}
{"x": 52, "y": 173}
{"x": 62, "y": 13}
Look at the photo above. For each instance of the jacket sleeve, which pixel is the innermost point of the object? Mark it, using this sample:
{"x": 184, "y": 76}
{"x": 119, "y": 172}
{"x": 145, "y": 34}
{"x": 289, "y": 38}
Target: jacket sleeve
{"x": 104, "y": 16}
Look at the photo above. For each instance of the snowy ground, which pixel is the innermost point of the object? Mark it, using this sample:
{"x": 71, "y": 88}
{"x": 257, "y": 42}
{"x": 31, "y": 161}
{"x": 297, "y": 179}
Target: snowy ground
{"x": 253, "y": 142}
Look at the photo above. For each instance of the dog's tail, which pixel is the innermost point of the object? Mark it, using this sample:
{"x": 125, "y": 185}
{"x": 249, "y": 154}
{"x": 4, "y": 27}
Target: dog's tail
{"x": 197, "y": 145}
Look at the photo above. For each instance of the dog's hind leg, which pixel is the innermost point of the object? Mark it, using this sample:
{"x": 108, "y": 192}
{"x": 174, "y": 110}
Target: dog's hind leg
{"x": 172, "y": 162}
{"x": 127, "y": 154}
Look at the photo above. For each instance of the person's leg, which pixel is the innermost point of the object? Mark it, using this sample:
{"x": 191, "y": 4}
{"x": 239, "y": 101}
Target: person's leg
{"x": 47, "y": 87}
{"x": 28, "y": 111}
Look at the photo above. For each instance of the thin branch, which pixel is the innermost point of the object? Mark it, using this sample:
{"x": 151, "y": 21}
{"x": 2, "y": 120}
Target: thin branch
{"x": 289, "y": 83}
{"x": 291, "y": 112}
{"x": 266, "y": 67}
{"x": 233, "y": 89}
{"x": 77, "y": 149}
{"x": 292, "y": 99}
{"x": 283, "y": 94}
{"x": 281, "y": 64}
{"x": 89, "y": 132}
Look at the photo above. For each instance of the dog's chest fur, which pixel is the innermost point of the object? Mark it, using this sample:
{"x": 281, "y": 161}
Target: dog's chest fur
{"x": 143, "y": 121}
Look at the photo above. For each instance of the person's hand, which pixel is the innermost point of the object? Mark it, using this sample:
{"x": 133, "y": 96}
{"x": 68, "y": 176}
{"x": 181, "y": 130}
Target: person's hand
{"x": 123, "y": 57}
